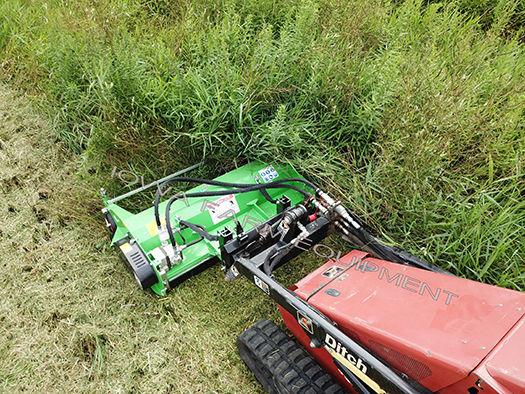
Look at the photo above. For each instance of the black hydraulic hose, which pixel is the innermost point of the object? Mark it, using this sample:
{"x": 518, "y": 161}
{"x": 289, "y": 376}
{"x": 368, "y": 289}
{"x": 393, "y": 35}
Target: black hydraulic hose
{"x": 276, "y": 259}
{"x": 382, "y": 250}
{"x": 245, "y": 189}
{"x": 249, "y": 189}
{"x": 390, "y": 253}
{"x": 200, "y": 230}
{"x": 181, "y": 236}
{"x": 194, "y": 242}
{"x": 371, "y": 242}
{"x": 274, "y": 256}
{"x": 168, "y": 221}
{"x": 269, "y": 256}
{"x": 188, "y": 179}
{"x": 241, "y": 188}
{"x": 220, "y": 193}
{"x": 195, "y": 227}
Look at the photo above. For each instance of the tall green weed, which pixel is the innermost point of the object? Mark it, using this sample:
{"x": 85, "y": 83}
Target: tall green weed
{"x": 417, "y": 106}
{"x": 217, "y": 80}
{"x": 451, "y": 150}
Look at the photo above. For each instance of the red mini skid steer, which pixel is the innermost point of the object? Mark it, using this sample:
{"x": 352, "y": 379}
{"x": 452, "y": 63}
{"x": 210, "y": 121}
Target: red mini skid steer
{"x": 376, "y": 320}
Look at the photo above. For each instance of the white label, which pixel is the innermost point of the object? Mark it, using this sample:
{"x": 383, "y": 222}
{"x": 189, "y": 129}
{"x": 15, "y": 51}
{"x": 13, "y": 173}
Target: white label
{"x": 223, "y": 208}
{"x": 260, "y": 284}
{"x": 283, "y": 229}
{"x": 268, "y": 174}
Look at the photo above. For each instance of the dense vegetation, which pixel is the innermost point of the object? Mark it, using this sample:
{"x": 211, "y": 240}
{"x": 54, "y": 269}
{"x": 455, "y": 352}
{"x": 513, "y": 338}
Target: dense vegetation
{"x": 412, "y": 112}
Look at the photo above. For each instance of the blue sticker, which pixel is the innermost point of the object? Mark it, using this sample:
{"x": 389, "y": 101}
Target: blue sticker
{"x": 268, "y": 174}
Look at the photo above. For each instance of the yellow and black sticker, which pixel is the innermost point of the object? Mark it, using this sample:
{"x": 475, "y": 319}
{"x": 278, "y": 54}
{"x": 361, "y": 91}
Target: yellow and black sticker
{"x": 126, "y": 248}
{"x": 356, "y": 371}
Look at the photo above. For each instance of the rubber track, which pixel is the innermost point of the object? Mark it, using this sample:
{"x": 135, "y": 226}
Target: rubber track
{"x": 286, "y": 361}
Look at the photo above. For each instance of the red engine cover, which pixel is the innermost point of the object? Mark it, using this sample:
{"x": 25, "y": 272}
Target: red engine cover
{"x": 435, "y": 328}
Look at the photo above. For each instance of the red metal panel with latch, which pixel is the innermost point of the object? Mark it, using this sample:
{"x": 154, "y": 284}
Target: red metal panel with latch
{"x": 434, "y": 328}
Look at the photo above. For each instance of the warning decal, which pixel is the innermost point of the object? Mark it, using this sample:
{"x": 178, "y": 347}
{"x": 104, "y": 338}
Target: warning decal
{"x": 223, "y": 208}
{"x": 305, "y": 322}
{"x": 332, "y": 271}
{"x": 261, "y": 285}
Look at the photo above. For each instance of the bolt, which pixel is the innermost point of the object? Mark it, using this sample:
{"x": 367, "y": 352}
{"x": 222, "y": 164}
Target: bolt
{"x": 314, "y": 343}
{"x": 464, "y": 341}
{"x": 483, "y": 348}
{"x": 500, "y": 304}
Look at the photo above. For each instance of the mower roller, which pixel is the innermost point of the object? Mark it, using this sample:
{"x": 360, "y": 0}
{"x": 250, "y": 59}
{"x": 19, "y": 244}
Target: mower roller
{"x": 376, "y": 320}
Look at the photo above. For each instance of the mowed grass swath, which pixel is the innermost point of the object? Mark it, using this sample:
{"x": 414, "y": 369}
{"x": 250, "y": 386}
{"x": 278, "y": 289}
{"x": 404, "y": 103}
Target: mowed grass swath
{"x": 412, "y": 112}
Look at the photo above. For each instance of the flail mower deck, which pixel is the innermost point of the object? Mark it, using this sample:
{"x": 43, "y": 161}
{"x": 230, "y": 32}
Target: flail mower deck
{"x": 376, "y": 320}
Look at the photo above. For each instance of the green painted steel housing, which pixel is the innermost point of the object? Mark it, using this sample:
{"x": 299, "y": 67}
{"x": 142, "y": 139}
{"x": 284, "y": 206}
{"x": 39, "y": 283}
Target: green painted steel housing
{"x": 214, "y": 213}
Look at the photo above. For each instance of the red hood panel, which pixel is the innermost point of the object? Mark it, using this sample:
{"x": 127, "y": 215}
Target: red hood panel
{"x": 507, "y": 363}
{"x": 436, "y": 328}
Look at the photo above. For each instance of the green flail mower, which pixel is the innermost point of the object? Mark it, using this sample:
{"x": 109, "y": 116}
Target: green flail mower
{"x": 376, "y": 320}
{"x": 161, "y": 256}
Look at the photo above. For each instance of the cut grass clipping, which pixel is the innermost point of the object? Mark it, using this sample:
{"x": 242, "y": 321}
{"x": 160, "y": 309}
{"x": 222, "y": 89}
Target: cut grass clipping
{"x": 71, "y": 318}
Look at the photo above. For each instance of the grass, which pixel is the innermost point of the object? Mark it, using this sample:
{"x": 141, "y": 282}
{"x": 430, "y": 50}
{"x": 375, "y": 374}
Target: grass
{"x": 68, "y": 323}
{"x": 411, "y": 112}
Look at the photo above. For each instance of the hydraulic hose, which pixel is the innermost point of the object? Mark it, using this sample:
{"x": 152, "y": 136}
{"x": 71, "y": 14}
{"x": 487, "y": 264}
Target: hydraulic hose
{"x": 275, "y": 255}
{"x": 200, "y": 230}
{"x": 240, "y": 188}
{"x": 245, "y": 188}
